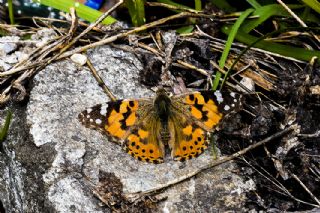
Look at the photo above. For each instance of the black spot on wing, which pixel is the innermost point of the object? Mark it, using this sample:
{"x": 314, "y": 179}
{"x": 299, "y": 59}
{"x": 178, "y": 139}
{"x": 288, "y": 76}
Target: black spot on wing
{"x": 188, "y": 137}
{"x": 197, "y": 105}
{"x": 114, "y": 105}
{"x": 125, "y": 116}
{"x": 204, "y": 116}
{"x": 157, "y": 161}
{"x": 131, "y": 103}
{"x": 182, "y": 159}
{"x": 134, "y": 131}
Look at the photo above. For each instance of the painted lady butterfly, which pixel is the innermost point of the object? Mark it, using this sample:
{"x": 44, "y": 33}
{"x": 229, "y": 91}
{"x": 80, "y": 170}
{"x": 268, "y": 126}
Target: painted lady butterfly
{"x": 145, "y": 126}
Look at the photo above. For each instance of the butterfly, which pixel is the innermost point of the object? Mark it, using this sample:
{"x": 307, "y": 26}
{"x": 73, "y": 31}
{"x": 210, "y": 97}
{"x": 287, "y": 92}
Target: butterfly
{"x": 145, "y": 127}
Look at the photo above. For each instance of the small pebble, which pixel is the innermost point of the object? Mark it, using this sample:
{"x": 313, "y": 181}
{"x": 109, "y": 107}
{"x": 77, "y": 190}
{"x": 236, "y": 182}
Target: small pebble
{"x": 79, "y": 59}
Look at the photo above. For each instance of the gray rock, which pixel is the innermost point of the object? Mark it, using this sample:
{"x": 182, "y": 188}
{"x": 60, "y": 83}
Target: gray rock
{"x": 66, "y": 157}
{"x": 7, "y": 44}
{"x": 21, "y": 166}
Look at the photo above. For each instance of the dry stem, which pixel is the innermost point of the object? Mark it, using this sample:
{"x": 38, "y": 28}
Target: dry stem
{"x": 100, "y": 81}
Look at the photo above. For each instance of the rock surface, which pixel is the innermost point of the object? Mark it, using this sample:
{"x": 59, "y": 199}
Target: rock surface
{"x": 52, "y": 161}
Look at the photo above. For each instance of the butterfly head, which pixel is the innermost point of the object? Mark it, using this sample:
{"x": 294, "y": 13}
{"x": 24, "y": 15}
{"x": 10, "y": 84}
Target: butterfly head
{"x": 162, "y": 103}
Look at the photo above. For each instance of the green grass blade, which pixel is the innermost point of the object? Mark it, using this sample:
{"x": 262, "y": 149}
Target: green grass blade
{"x": 174, "y": 4}
{"x": 313, "y": 4}
{"x": 185, "y": 29}
{"x": 197, "y": 5}
{"x": 214, "y": 148}
{"x": 11, "y": 13}
{"x": 136, "y": 11}
{"x": 83, "y": 11}
{"x": 305, "y": 13}
{"x": 254, "y": 4}
{"x": 229, "y": 42}
{"x": 264, "y": 13}
{"x": 281, "y": 49}
{"x": 189, "y": 28}
{"x": 5, "y": 128}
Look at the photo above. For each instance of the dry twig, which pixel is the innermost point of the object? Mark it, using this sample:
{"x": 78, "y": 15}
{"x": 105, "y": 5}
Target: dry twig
{"x": 91, "y": 26}
{"x": 306, "y": 188}
{"x": 125, "y": 34}
{"x": 298, "y": 19}
{"x": 41, "y": 61}
{"x": 100, "y": 81}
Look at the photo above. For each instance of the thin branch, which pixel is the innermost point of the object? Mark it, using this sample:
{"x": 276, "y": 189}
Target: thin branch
{"x": 154, "y": 51}
{"x": 107, "y": 40}
{"x": 91, "y": 26}
{"x": 297, "y": 18}
{"x": 125, "y": 34}
{"x": 172, "y": 7}
{"x": 305, "y": 188}
{"x": 313, "y": 135}
{"x": 191, "y": 66}
{"x": 187, "y": 65}
{"x": 100, "y": 81}
{"x": 17, "y": 83}
{"x": 27, "y": 63}
{"x": 224, "y": 72}
{"x": 236, "y": 44}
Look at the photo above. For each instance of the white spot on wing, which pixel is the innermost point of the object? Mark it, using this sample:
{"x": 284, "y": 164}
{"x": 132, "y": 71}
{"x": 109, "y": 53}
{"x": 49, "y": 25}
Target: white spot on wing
{"x": 226, "y": 107}
{"x": 103, "y": 110}
{"x": 232, "y": 105}
{"x": 88, "y": 116}
{"x": 89, "y": 110}
{"x": 235, "y": 100}
{"x": 232, "y": 94}
{"x": 98, "y": 121}
{"x": 218, "y": 96}
{"x": 91, "y": 120}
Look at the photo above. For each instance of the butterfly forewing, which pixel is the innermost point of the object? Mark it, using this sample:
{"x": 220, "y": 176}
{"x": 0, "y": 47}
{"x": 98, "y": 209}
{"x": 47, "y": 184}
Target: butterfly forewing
{"x": 208, "y": 107}
{"x": 112, "y": 118}
{"x": 95, "y": 117}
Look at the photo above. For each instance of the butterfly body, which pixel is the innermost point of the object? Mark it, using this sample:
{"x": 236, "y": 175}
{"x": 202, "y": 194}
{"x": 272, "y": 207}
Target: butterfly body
{"x": 145, "y": 127}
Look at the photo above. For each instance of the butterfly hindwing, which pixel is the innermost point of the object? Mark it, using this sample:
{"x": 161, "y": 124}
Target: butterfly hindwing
{"x": 144, "y": 140}
{"x": 188, "y": 140}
